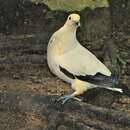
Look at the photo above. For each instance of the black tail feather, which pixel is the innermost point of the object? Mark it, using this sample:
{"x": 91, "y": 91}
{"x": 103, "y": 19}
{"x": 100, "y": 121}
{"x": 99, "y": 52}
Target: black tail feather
{"x": 125, "y": 89}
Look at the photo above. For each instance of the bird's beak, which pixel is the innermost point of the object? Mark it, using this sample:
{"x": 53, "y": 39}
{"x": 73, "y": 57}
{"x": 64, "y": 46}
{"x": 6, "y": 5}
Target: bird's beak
{"x": 78, "y": 24}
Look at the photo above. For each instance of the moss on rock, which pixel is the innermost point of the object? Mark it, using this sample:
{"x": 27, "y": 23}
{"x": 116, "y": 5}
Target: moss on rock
{"x": 71, "y": 5}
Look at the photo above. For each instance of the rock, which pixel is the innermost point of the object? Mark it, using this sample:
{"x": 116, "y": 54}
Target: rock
{"x": 72, "y": 115}
{"x": 73, "y": 5}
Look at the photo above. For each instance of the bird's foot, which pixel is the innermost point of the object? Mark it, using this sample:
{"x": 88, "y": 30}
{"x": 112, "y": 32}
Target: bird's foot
{"x": 68, "y": 97}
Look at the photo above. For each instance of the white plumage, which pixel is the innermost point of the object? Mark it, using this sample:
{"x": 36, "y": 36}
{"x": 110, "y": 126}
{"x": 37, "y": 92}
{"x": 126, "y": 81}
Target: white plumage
{"x": 80, "y": 61}
{"x": 68, "y": 59}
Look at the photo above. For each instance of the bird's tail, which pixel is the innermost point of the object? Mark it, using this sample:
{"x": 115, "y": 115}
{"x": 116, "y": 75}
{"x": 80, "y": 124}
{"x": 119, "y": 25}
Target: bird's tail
{"x": 114, "y": 81}
{"x": 125, "y": 89}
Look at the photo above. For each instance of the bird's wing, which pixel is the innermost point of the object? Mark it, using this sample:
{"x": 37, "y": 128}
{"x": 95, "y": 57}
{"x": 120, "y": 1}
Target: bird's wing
{"x": 82, "y": 64}
{"x": 80, "y": 61}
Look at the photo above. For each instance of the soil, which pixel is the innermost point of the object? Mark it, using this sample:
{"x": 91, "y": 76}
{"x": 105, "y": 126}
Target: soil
{"x": 24, "y": 33}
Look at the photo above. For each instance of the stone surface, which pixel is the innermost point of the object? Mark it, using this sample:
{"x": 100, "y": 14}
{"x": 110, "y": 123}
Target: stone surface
{"x": 42, "y": 112}
{"x": 73, "y": 5}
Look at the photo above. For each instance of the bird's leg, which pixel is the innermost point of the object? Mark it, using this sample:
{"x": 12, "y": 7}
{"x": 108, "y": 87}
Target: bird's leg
{"x": 65, "y": 98}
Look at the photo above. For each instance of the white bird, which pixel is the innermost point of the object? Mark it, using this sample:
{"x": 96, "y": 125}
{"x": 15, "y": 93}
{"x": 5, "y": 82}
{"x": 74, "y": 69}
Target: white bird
{"x": 75, "y": 64}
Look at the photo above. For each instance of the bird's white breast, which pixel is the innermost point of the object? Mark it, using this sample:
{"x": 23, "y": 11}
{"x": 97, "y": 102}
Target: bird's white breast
{"x": 61, "y": 43}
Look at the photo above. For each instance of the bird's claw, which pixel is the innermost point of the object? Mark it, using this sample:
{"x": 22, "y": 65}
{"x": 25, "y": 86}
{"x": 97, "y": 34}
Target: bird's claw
{"x": 65, "y": 98}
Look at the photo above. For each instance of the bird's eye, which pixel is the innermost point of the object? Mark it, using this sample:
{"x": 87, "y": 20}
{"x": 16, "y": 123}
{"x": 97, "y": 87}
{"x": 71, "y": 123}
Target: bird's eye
{"x": 69, "y": 18}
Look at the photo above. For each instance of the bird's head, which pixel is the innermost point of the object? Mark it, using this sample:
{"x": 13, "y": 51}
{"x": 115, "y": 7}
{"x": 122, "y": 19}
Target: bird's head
{"x": 73, "y": 20}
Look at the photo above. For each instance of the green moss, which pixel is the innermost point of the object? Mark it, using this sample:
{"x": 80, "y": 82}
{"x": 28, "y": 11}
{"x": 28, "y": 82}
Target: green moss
{"x": 70, "y": 5}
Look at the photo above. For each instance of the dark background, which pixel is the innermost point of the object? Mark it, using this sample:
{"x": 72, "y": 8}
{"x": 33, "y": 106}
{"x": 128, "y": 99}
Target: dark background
{"x": 25, "y": 29}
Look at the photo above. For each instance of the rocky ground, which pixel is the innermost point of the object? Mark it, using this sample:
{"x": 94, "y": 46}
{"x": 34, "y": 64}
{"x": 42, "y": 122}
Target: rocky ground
{"x": 24, "y": 33}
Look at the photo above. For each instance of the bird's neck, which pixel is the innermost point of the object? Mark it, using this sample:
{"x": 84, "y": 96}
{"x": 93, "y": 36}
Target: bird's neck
{"x": 71, "y": 30}
{"x": 69, "y": 35}
{"x": 68, "y": 38}
{"x": 65, "y": 41}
